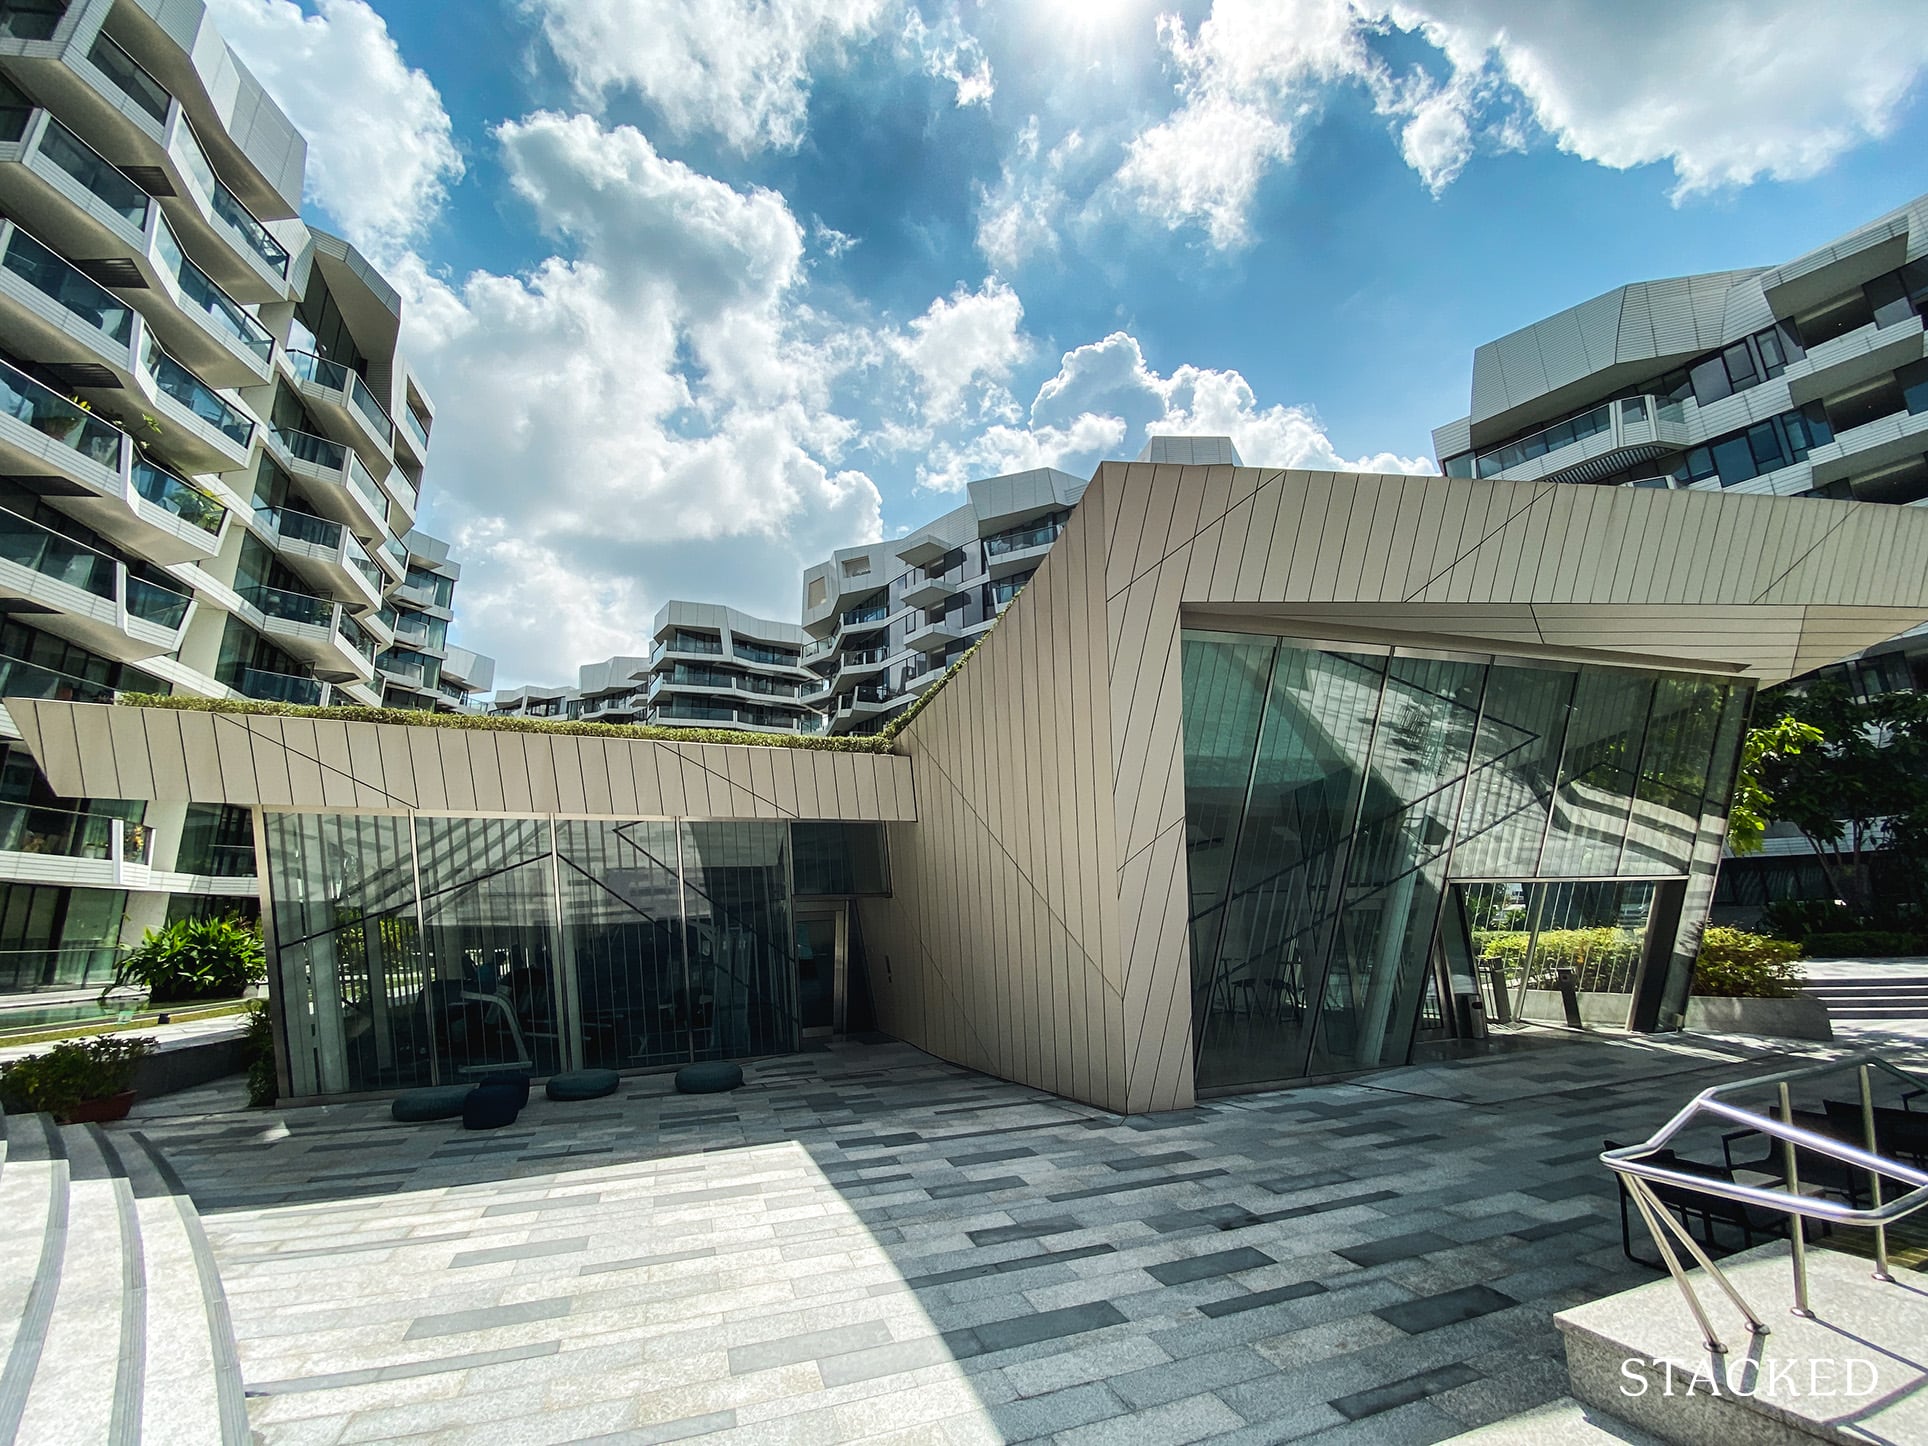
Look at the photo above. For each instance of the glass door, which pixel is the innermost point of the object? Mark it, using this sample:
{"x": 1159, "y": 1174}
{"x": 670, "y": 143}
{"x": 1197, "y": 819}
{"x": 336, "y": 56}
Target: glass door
{"x": 823, "y": 935}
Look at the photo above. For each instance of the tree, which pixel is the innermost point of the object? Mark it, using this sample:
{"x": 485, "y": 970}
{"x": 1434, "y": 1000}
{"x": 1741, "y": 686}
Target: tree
{"x": 1762, "y": 748}
{"x": 1862, "y": 787}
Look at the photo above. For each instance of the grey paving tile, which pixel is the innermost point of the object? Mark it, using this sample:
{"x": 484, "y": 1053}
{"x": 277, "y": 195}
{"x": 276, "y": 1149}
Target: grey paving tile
{"x": 1395, "y": 1247}
{"x": 1402, "y": 1392}
{"x": 1259, "y": 1299}
{"x": 1430, "y": 1312}
{"x": 1025, "y": 1230}
{"x": 404, "y": 1370}
{"x": 491, "y": 1317}
{"x": 528, "y": 1250}
{"x": 1025, "y": 1330}
{"x": 1204, "y": 1267}
{"x": 641, "y": 1262}
{"x": 555, "y": 1202}
{"x": 807, "y": 1346}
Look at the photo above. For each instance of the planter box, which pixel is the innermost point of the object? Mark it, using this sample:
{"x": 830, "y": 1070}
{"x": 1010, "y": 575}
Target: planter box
{"x": 1802, "y": 1017}
{"x": 1597, "y": 1010}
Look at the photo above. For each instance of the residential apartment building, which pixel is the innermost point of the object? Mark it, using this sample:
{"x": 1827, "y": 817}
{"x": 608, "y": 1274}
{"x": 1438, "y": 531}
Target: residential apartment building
{"x": 886, "y": 619}
{"x": 421, "y": 669}
{"x": 709, "y": 667}
{"x": 1806, "y": 379}
{"x": 210, "y": 447}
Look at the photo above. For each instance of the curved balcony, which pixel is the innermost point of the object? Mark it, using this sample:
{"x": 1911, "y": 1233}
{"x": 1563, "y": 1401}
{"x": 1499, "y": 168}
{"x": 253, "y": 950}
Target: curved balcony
{"x": 117, "y": 100}
{"x": 64, "y": 846}
{"x": 325, "y": 553}
{"x": 392, "y": 558}
{"x": 81, "y": 594}
{"x": 221, "y": 338}
{"x": 205, "y": 431}
{"x": 341, "y": 488}
{"x": 405, "y": 495}
{"x": 936, "y": 635}
{"x": 315, "y": 630}
{"x": 345, "y": 405}
{"x": 412, "y": 435}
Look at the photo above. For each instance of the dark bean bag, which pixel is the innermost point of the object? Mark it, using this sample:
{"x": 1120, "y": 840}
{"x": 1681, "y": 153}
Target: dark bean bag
{"x": 439, "y": 1102}
{"x": 712, "y": 1077}
{"x": 583, "y": 1084}
{"x": 512, "y": 1077}
{"x": 490, "y": 1107}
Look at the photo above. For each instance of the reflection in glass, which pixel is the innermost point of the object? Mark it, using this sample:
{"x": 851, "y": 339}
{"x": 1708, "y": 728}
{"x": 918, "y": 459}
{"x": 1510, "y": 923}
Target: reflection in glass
{"x": 1331, "y": 797}
{"x": 622, "y": 938}
{"x": 742, "y": 968}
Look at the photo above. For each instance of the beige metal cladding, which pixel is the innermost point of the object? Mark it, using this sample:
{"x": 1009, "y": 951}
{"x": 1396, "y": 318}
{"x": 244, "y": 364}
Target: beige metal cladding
{"x": 1037, "y": 928}
{"x": 176, "y": 756}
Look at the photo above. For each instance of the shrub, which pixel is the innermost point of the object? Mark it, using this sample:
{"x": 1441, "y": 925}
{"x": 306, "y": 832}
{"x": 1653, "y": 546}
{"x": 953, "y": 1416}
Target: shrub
{"x": 1796, "y": 919}
{"x": 211, "y": 958}
{"x": 258, "y": 1037}
{"x": 1735, "y": 964}
{"x": 1602, "y": 959}
{"x": 1865, "y": 944}
{"x": 73, "y": 1072}
{"x": 488, "y": 722}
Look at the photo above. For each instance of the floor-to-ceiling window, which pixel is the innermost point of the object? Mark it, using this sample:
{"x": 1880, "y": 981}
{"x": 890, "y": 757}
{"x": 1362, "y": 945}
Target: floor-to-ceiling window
{"x": 431, "y": 949}
{"x": 1334, "y": 800}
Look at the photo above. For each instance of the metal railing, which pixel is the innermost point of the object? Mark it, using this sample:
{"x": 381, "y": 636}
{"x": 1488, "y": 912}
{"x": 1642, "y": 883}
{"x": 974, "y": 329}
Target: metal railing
{"x": 1639, "y": 1173}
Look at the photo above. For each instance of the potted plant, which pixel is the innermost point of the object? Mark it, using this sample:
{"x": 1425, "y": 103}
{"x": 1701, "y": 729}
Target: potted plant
{"x": 1747, "y": 983}
{"x": 211, "y": 958}
{"x": 78, "y": 1081}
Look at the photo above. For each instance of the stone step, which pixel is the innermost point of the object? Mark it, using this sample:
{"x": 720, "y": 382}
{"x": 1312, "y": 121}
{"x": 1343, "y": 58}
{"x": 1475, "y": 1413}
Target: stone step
{"x": 1564, "y": 1422}
{"x": 33, "y": 1241}
{"x": 193, "y": 1380}
{"x": 86, "y": 1382}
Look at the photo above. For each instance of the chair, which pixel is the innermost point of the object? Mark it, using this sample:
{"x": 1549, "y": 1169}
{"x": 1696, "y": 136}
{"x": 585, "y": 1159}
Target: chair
{"x": 1820, "y": 1171}
{"x": 1898, "y": 1134}
{"x": 1692, "y": 1204}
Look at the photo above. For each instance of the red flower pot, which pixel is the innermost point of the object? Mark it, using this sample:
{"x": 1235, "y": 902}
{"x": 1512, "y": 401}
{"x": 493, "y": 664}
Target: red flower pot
{"x": 99, "y": 1112}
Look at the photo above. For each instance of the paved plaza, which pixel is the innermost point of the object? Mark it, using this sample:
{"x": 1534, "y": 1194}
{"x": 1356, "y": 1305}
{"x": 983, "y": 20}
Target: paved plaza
{"x": 867, "y": 1244}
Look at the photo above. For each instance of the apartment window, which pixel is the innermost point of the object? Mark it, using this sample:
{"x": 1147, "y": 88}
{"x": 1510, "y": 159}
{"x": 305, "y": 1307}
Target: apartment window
{"x": 816, "y": 593}
{"x": 856, "y": 567}
{"x": 1764, "y": 447}
{"x": 30, "y": 19}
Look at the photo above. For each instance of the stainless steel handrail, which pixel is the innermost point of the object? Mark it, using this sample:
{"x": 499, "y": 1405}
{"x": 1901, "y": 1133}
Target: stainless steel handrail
{"x": 1637, "y": 1173}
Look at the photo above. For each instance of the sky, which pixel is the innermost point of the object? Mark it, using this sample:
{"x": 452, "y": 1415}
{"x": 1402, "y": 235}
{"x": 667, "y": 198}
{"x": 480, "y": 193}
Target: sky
{"x": 705, "y": 289}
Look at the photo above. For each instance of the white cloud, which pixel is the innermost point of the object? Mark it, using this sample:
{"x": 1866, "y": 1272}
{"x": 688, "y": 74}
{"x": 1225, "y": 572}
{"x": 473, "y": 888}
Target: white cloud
{"x": 1018, "y": 218}
{"x": 1725, "y": 94}
{"x": 1105, "y": 400}
{"x": 656, "y": 397}
{"x": 740, "y": 70}
{"x": 381, "y": 153}
{"x": 948, "y": 52}
{"x": 972, "y": 339}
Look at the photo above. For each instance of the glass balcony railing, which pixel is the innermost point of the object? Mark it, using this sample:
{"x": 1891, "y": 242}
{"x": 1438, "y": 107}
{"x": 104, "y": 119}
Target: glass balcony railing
{"x": 79, "y": 294}
{"x": 52, "y": 415}
{"x": 757, "y": 653}
{"x": 226, "y": 314}
{"x": 333, "y": 457}
{"x": 126, "y": 73}
{"x": 222, "y": 860}
{"x": 415, "y": 428}
{"x": 26, "y": 828}
{"x": 1006, "y": 542}
{"x": 396, "y": 553}
{"x": 359, "y": 559}
{"x": 30, "y": 19}
{"x": 159, "y": 605}
{"x": 404, "y": 672}
{"x": 1547, "y": 439}
{"x": 869, "y": 613}
{"x": 864, "y": 657}
{"x": 92, "y": 170}
{"x": 696, "y": 713}
{"x": 301, "y": 527}
{"x": 22, "y": 679}
{"x": 167, "y": 491}
{"x": 406, "y": 493}
{"x": 197, "y": 396}
{"x": 335, "y": 377}
{"x": 292, "y": 607}
{"x": 27, "y": 543}
{"x": 279, "y": 687}
{"x": 227, "y": 207}
{"x": 356, "y": 636}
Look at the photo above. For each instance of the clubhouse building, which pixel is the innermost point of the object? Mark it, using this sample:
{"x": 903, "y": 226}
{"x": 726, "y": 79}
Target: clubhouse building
{"x": 1227, "y": 798}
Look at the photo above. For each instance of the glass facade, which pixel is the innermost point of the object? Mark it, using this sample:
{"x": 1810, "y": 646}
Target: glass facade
{"x": 427, "y": 949}
{"x": 1331, "y": 798}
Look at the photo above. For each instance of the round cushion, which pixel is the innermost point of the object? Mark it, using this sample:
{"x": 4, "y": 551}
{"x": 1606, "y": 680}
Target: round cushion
{"x": 490, "y": 1107}
{"x": 510, "y": 1077}
{"x": 712, "y": 1077}
{"x": 583, "y": 1084}
{"x": 438, "y": 1102}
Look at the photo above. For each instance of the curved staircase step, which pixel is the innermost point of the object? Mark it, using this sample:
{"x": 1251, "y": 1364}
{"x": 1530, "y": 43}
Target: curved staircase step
{"x": 33, "y": 1247}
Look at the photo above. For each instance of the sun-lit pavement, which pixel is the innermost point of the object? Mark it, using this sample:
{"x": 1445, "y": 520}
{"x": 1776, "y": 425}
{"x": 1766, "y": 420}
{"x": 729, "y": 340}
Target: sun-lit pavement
{"x": 866, "y": 1244}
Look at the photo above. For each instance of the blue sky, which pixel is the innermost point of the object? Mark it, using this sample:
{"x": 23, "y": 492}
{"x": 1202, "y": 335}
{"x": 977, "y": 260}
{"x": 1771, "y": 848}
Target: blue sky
{"x": 704, "y": 288}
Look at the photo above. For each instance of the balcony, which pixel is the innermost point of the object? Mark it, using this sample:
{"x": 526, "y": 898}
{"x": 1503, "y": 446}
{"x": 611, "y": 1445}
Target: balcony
{"x": 318, "y": 632}
{"x": 262, "y": 270}
{"x": 867, "y": 614}
{"x": 1865, "y": 354}
{"x": 1020, "y": 550}
{"x": 204, "y": 431}
{"x": 1894, "y": 438}
{"x": 269, "y": 687}
{"x": 222, "y": 339}
{"x": 62, "y": 846}
{"x": 415, "y": 432}
{"x": 406, "y": 495}
{"x": 343, "y": 402}
{"x": 85, "y": 596}
{"x": 934, "y": 635}
{"x": 404, "y": 674}
{"x": 326, "y": 553}
{"x": 861, "y": 663}
{"x": 1610, "y": 438}
{"x": 342, "y": 487}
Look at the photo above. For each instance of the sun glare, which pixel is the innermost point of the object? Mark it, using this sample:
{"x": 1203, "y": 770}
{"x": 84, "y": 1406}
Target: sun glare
{"x": 1096, "y": 25}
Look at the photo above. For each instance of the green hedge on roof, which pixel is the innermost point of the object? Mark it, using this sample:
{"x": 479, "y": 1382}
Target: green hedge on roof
{"x": 418, "y": 718}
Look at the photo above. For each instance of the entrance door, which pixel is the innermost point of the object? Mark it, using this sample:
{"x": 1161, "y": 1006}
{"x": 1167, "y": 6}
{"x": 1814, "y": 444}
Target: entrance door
{"x": 823, "y": 934}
